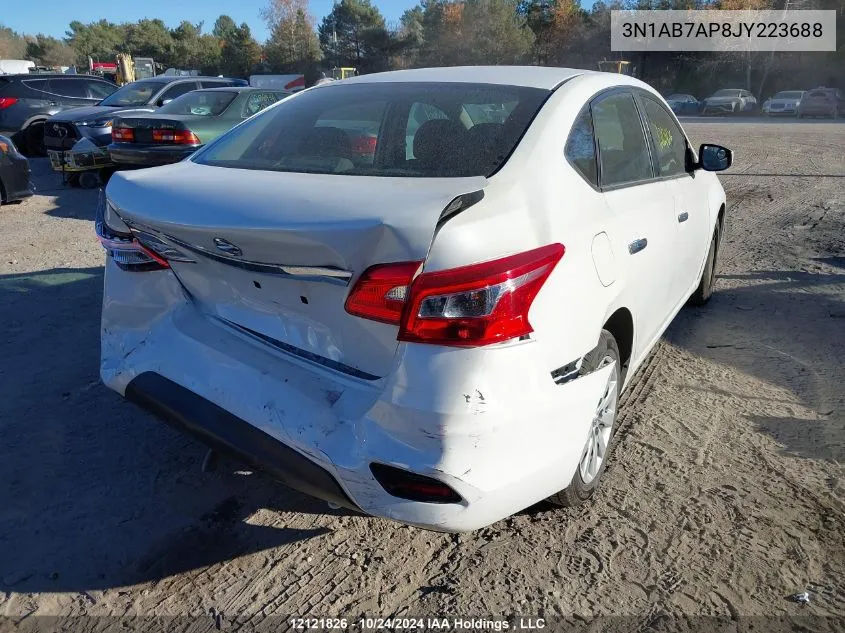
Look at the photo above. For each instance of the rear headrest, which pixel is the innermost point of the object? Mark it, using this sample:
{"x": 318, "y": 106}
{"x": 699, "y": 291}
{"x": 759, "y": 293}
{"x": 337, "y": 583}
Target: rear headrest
{"x": 327, "y": 141}
{"x": 438, "y": 141}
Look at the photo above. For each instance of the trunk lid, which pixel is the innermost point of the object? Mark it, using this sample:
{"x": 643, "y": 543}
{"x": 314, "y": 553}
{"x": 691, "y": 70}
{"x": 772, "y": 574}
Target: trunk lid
{"x": 277, "y": 253}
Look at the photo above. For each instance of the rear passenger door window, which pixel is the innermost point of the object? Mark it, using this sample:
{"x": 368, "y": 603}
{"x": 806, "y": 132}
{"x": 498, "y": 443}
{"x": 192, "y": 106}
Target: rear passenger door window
{"x": 177, "y": 91}
{"x": 581, "y": 148}
{"x": 73, "y": 88}
{"x": 42, "y": 85}
{"x": 623, "y": 152}
{"x": 99, "y": 89}
{"x": 257, "y": 101}
{"x": 668, "y": 141}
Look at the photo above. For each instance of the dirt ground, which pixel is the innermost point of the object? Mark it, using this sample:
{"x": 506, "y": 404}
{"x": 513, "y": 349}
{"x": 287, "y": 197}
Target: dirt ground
{"x": 725, "y": 493}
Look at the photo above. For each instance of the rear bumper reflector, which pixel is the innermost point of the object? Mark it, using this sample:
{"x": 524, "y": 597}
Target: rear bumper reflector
{"x": 407, "y": 485}
{"x": 194, "y": 415}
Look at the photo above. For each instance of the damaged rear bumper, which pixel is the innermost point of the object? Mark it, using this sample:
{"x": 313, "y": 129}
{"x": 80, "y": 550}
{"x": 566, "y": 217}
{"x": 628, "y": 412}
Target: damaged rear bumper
{"x": 492, "y": 424}
{"x": 219, "y": 429}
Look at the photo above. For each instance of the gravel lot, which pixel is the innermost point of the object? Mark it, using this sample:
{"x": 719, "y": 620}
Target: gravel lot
{"x": 725, "y": 493}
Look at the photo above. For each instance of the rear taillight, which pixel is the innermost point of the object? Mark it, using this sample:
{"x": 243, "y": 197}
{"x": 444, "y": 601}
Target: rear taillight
{"x": 468, "y": 306}
{"x": 364, "y": 145}
{"x": 122, "y": 135}
{"x": 381, "y": 291}
{"x": 5, "y": 102}
{"x": 407, "y": 485}
{"x": 175, "y": 137}
{"x": 120, "y": 243}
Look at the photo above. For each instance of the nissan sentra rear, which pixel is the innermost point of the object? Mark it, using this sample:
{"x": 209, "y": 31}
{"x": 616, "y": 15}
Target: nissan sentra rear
{"x": 397, "y": 325}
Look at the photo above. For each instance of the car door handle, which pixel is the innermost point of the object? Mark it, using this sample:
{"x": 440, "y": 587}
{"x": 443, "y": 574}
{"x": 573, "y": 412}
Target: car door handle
{"x": 637, "y": 245}
{"x": 683, "y": 217}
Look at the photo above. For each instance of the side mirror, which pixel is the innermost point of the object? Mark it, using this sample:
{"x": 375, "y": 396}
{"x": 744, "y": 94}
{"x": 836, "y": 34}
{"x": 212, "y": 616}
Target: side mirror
{"x": 714, "y": 157}
{"x": 164, "y": 102}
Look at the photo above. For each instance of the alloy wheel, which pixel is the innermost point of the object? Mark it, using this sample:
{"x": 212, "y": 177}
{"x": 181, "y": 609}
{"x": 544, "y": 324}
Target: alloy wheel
{"x": 601, "y": 428}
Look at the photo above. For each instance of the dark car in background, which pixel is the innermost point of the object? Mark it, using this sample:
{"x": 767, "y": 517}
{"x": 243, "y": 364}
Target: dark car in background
{"x": 15, "y": 184}
{"x": 683, "y": 104}
{"x": 147, "y": 95}
{"x": 27, "y": 101}
{"x": 181, "y": 127}
{"x": 822, "y": 102}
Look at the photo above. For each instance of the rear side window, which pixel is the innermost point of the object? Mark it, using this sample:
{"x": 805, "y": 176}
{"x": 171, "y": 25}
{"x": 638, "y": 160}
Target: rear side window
{"x": 257, "y": 101}
{"x": 178, "y": 90}
{"x": 668, "y": 140}
{"x": 623, "y": 151}
{"x": 42, "y": 85}
{"x": 384, "y": 129}
{"x": 581, "y": 148}
{"x": 74, "y": 88}
{"x": 200, "y": 103}
{"x": 99, "y": 89}
{"x": 220, "y": 84}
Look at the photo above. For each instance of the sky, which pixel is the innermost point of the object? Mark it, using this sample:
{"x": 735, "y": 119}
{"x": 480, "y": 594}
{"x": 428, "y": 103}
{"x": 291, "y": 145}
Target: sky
{"x": 52, "y": 17}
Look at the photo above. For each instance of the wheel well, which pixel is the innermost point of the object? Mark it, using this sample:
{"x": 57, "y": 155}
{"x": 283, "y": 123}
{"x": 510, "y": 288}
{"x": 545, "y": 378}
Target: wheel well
{"x": 34, "y": 121}
{"x": 621, "y": 325}
{"x": 721, "y": 218}
{"x": 2, "y": 191}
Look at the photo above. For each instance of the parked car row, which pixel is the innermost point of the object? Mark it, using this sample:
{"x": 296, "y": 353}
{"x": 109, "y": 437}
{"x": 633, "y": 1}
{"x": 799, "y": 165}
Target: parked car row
{"x": 822, "y": 102}
{"x": 182, "y": 126}
{"x": 54, "y": 112}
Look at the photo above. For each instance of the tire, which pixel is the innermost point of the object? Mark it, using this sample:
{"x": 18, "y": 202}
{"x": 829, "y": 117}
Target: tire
{"x": 35, "y": 139}
{"x": 89, "y": 180}
{"x": 580, "y": 489}
{"x": 704, "y": 291}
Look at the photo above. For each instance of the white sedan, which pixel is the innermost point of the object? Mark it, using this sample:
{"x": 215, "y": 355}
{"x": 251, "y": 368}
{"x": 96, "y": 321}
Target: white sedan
{"x": 417, "y": 294}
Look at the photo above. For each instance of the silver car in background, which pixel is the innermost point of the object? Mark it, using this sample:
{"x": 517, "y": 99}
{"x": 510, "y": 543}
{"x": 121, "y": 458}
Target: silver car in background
{"x": 729, "y": 101}
{"x": 783, "y": 103}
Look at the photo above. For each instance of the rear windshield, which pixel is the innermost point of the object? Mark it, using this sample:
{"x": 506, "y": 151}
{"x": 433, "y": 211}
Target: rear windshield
{"x": 135, "y": 94}
{"x": 200, "y": 102}
{"x": 726, "y": 93}
{"x": 789, "y": 95}
{"x": 384, "y": 129}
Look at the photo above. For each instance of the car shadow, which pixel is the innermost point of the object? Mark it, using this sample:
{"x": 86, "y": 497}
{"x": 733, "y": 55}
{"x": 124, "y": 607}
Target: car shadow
{"x": 69, "y": 201}
{"x": 97, "y": 493}
{"x": 778, "y": 326}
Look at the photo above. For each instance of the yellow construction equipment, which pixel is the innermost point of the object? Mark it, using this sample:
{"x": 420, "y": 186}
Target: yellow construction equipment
{"x": 344, "y": 73}
{"x": 620, "y": 67}
{"x": 125, "y": 69}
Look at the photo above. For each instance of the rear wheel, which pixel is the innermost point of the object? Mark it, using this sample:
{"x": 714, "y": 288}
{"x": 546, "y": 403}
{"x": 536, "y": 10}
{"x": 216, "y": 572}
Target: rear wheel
{"x": 89, "y": 179}
{"x": 594, "y": 457}
{"x": 35, "y": 139}
{"x": 704, "y": 291}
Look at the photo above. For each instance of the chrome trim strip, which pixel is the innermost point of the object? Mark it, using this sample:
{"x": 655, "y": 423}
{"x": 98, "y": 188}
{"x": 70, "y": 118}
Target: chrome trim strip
{"x": 325, "y": 274}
